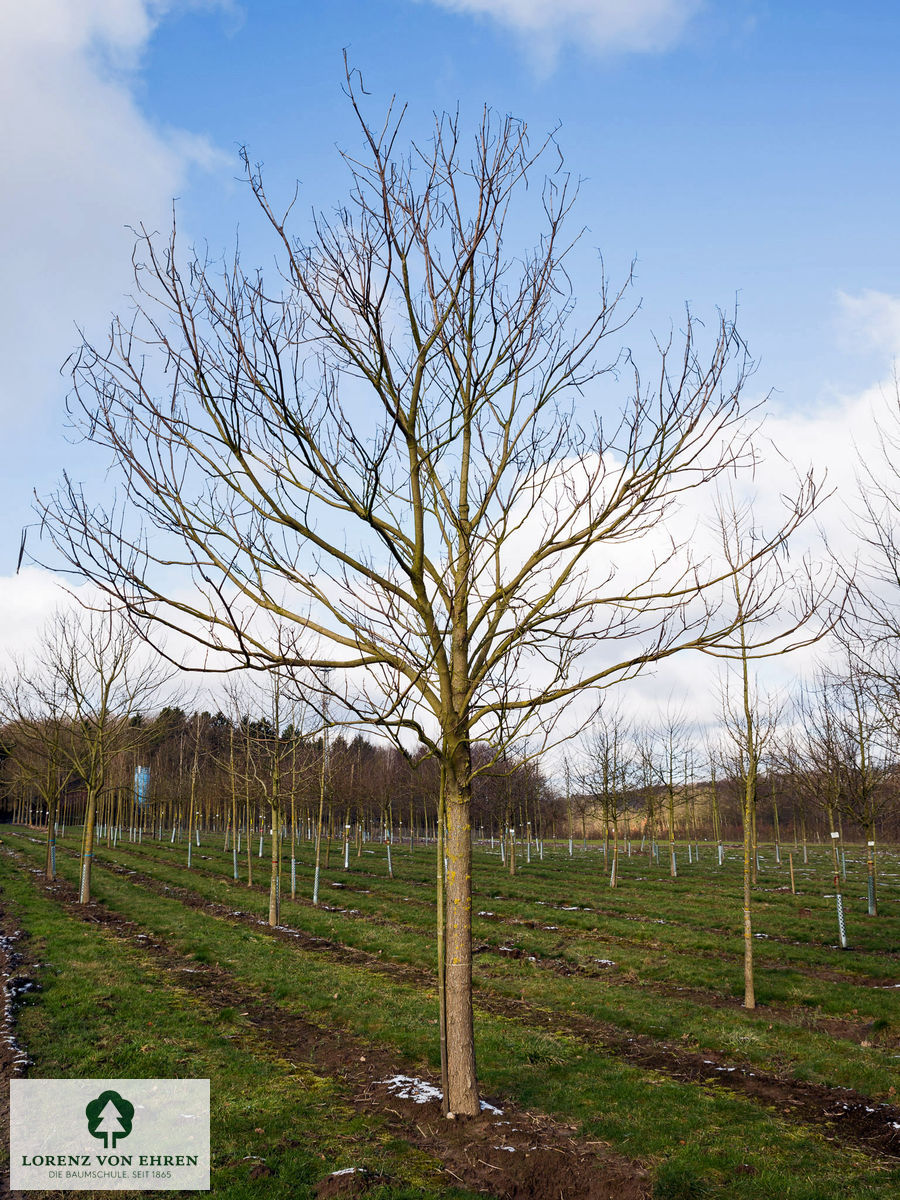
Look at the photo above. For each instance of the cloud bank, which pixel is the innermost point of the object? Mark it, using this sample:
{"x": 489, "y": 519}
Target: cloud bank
{"x": 81, "y": 162}
{"x": 870, "y": 321}
{"x": 597, "y": 25}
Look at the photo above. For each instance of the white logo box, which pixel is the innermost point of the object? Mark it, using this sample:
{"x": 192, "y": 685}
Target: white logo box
{"x": 109, "y": 1134}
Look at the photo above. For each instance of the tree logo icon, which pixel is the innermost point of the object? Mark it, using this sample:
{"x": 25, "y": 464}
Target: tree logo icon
{"x": 109, "y": 1116}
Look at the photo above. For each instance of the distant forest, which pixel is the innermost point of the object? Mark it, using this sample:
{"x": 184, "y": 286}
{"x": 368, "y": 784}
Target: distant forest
{"x": 238, "y": 768}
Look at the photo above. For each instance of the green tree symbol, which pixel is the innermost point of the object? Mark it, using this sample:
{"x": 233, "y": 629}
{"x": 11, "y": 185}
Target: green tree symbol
{"x": 109, "y": 1116}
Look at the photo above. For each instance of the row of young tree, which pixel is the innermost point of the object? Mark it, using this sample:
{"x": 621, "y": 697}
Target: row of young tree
{"x": 396, "y": 469}
{"x": 79, "y": 724}
{"x": 827, "y": 759}
{"x": 80, "y": 744}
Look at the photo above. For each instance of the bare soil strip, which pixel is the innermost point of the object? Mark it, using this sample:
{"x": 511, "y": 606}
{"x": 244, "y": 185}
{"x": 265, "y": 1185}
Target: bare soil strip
{"x": 16, "y": 977}
{"x": 543, "y": 1159}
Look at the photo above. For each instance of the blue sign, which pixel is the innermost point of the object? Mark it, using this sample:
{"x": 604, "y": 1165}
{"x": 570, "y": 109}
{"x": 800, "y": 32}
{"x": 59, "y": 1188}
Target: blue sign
{"x": 141, "y": 784}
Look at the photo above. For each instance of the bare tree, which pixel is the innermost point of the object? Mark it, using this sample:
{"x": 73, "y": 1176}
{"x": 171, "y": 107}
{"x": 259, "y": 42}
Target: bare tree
{"x": 268, "y": 712}
{"x": 750, "y": 723}
{"x": 33, "y": 735}
{"x": 604, "y": 774}
{"x": 871, "y": 632}
{"x": 853, "y": 742}
{"x": 387, "y": 453}
{"x": 670, "y": 743}
{"x": 792, "y": 609}
{"x": 90, "y": 676}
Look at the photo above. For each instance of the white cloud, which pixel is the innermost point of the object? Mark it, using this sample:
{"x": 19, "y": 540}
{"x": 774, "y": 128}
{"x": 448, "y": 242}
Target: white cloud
{"x": 81, "y": 162}
{"x": 870, "y": 321}
{"x": 27, "y": 601}
{"x": 599, "y": 25}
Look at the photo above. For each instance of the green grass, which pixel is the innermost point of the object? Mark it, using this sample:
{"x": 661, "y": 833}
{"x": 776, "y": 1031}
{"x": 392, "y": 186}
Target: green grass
{"x": 106, "y": 1011}
{"x": 699, "y": 1137}
{"x": 395, "y": 918}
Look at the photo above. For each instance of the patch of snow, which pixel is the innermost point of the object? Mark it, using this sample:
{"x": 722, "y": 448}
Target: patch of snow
{"x": 408, "y": 1088}
{"x": 14, "y": 988}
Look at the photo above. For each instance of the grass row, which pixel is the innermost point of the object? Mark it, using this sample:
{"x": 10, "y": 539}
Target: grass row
{"x": 786, "y": 1041}
{"x": 106, "y": 1011}
{"x": 703, "y": 1140}
{"x": 648, "y": 916}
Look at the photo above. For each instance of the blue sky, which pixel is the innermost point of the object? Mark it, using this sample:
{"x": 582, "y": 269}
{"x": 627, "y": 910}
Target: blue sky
{"x": 738, "y": 149}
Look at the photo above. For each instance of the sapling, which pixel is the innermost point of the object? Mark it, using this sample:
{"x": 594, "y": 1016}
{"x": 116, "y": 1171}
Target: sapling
{"x": 839, "y": 899}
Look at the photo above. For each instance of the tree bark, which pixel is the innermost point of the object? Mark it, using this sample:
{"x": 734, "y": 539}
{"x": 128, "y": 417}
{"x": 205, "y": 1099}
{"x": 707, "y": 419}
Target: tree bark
{"x": 275, "y": 876}
{"x": 87, "y": 847}
{"x": 462, "y": 1082}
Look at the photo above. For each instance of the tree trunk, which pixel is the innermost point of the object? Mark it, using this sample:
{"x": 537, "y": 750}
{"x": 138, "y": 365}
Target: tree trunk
{"x": 749, "y": 814}
{"x": 87, "y": 847}
{"x": 462, "y": 1081}
{"x": 441, "y": 941}
{"x": 749, "y": 991}
{"x": 50, "y": 860}
{"x": 275, "y": 877}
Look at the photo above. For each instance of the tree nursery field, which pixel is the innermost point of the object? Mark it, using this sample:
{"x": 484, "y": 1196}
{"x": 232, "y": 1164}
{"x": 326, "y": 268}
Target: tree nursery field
{"x": 615, "y": 1057}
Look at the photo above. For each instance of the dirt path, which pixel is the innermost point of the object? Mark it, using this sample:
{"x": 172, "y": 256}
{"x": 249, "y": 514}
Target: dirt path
{"x": 841, "y": 1114}
{"x": 16, "y": 975}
